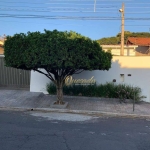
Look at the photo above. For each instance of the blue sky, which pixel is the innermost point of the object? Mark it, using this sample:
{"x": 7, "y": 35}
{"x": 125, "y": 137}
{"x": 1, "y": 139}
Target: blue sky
{"x": 93, "y": 18}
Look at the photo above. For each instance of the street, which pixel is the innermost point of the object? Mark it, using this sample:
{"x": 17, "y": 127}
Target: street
{"x": 53, "y": 131}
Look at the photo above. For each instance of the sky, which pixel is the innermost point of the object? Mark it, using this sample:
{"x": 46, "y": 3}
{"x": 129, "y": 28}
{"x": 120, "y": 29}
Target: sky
{"x": 92, "y": 18}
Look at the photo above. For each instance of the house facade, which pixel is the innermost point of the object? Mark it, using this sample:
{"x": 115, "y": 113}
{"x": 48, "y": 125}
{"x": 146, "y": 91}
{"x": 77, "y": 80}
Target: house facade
{"x": 143, "y": 48}
{"x": 115, "y": 49}
{"x": 1, "y": 47}
{"x": 135, "y": 46}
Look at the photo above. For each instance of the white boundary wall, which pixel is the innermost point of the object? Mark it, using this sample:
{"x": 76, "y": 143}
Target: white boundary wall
{"x": 137, "y": 67}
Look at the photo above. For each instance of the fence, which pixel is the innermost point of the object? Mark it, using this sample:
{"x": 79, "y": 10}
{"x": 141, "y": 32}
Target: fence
{"x": 13, "y": 78}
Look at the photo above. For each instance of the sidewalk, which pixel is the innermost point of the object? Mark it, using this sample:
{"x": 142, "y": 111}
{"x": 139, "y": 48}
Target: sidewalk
{"x": 25, "y": 100}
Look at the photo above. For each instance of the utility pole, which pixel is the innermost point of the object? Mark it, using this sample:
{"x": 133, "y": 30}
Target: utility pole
{"x": 122, "y": 30}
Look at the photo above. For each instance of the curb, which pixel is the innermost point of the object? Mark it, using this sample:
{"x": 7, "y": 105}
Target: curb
{"x": 98, "y": 113}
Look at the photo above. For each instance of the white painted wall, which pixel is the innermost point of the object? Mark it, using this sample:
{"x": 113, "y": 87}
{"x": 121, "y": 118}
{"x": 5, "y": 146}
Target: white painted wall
{"x": 138, "y": 67}
{"x": 38, "y": 82}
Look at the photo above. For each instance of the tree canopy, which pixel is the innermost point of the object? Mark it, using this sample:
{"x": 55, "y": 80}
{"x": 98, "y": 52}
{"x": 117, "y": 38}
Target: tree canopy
{"x": 117, "y": 39}
{"x": 60, "y": 54}
{"x": 109, "y": 41}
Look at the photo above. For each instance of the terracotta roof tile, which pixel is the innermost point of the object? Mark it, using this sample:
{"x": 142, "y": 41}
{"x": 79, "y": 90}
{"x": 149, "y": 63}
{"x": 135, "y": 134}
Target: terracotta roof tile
{"x": 138, "y": 41}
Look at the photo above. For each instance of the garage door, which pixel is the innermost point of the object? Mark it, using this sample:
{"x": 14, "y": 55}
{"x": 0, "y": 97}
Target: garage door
{"x": 13, "y": 78}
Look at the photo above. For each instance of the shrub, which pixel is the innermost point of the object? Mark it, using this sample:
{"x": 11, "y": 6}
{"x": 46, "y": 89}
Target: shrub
{"x": 128, "y": 92}
{"x": 51, "y": 88}
{"x": 108, "y": 90}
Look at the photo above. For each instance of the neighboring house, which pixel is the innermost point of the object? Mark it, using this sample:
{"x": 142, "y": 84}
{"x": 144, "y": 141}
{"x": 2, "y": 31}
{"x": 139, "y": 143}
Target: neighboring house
{"x": 1, "y": 48}
{"x": 115, "y": 49}
{"x": 135, "y": 46}
{"x": 143, "y": 48}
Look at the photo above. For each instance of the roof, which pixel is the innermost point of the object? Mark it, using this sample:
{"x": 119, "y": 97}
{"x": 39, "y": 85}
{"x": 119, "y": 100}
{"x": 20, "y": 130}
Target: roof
{"x": 141, "y": 41}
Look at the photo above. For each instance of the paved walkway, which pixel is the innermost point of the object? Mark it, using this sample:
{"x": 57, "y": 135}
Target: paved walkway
{"x": 25, "y": 100}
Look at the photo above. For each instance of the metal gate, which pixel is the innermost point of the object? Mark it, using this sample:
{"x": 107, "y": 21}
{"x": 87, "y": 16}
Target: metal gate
{"x": 13, "y": 78}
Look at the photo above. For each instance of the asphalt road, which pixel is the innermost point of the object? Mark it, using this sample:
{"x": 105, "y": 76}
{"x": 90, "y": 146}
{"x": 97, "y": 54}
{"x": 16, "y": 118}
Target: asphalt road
{"x": 41, "y": 131}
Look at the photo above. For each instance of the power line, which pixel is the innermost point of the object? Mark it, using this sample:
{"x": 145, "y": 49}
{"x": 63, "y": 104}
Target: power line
{"x": 67, "y": 23}
{"x": 52, "y": 8}
{"x": 57, "y": 11}
{"x": 138, "y": 25}
{"x": 69, "y": 17}
{"x": 68, "y": 11}
{"x": 72, "y": 1}
{"x": 138, "y": 7}
{"x": 78, "y": 8}
{"x": 68, "y": 7}
{"x": 82, "y": 4}
{"x": 76, "y": 24}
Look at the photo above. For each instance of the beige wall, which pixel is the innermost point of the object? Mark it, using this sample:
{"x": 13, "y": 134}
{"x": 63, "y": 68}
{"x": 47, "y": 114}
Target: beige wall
{"x": 1, "y": 43}
{"x": 115, "y": 49}
{"x": 1, "y": 50}
{"x": 140, "y": 62}
{"x": 131, "y": 50}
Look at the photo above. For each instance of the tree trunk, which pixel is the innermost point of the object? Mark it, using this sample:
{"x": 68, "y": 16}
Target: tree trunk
{"x": 59, "y": 93}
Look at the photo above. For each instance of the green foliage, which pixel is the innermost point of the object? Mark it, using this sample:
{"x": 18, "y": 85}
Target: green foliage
{"x": 109, "y": 50}
{"x": 60, "y": 54}
{"x": 128, "y": 92}
{"x": 109, "y": 41}
{"x": 51, "y": 88}
{"x": 116, "y": 39}
{"x": 53, "y": 50}
{"x": 108, "y": 90}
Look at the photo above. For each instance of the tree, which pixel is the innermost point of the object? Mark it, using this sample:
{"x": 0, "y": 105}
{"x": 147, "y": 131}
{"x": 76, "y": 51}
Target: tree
{"x": 109, "y": 41}
{"x": 117, "y": 39}
{"x": 59, "y": 54}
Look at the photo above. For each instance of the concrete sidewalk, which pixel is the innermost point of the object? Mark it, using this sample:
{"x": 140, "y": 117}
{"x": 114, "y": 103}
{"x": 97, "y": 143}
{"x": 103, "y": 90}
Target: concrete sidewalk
{"x": 25, "y": 100}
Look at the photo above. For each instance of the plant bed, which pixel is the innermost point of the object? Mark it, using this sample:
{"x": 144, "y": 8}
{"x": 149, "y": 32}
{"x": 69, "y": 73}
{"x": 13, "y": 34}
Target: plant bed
{"x": 56, "y": 104}
{"x": 122, "y": 92}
